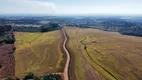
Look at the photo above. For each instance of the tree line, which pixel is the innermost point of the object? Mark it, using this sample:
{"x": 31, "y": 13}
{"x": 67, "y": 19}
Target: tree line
{"x": 32, "y": 76}
{"x": 43, "y": 28}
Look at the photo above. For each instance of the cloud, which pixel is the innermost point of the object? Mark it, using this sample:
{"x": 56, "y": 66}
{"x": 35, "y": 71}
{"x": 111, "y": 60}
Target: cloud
{"x": 122, "y": 7}
{"x": 27, "y": 7}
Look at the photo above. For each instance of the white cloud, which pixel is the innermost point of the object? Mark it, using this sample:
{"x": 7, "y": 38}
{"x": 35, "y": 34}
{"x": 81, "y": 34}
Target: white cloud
{"x": 27, "y": 7}
{"x": 117, "y": 8}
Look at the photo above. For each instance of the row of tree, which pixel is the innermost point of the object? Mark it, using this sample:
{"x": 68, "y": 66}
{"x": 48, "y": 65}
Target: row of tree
{"x": 50, "y": 27}
{"x": 43, "y": 28}
{"x": 32, "y": 76}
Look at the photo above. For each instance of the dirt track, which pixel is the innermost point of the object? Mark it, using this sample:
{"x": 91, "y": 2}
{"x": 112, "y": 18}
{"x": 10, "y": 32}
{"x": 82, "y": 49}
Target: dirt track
{"x": 66, "y": 76}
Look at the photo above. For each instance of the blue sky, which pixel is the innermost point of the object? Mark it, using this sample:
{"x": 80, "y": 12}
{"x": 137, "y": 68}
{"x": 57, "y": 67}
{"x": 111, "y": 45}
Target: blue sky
{"x": 70, "y": 6}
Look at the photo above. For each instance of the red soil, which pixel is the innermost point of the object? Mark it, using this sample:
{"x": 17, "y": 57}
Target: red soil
{"x": 7, "y": 61}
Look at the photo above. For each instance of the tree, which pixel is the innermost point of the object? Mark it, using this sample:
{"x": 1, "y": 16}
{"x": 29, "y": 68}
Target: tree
{"x": 30, "y": 75}
{"x": 52, "y": 77}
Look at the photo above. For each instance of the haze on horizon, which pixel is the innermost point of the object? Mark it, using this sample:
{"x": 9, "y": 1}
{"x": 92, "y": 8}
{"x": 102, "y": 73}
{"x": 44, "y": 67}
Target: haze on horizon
{"x": 71, "y": 7}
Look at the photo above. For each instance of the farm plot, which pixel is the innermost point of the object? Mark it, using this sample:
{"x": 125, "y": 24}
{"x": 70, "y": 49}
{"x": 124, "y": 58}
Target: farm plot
{"x": 100, "y": 55}
{"x": 38, "y": 53}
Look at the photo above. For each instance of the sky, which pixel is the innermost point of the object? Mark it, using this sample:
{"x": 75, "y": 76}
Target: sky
{"x": 70, "y": 7}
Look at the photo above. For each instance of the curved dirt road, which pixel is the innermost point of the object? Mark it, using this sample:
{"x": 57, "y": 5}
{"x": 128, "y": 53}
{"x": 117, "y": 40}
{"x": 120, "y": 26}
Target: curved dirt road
{"x": 66, "y": 76}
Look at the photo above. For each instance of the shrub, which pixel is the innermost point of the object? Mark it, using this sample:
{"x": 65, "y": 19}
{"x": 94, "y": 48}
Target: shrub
{"x": 52, "y": 77}
{"x": 30, "y": 75}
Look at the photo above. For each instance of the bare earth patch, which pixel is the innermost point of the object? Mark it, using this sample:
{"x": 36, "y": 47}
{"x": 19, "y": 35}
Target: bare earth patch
{"x": 7, "y": 62}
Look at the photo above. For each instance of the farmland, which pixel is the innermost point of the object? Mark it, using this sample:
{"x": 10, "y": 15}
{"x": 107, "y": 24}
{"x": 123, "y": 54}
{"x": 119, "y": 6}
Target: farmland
{"x": 38, "y": 53}
{"x": 100, "y": 55}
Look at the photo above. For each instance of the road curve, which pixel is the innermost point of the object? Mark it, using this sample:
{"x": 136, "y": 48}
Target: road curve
{"x": 66, "y": 76}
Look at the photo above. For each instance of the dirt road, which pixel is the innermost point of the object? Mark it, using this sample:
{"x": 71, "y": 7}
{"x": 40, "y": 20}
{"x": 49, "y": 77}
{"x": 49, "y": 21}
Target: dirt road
{"x": 66, "y": 76}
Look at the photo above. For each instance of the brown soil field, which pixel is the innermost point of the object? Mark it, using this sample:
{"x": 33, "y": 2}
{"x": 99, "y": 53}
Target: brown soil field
{"x": 7, "y": 61}
{"x": 101, "y": 55}
{"x": 38, "y": 53}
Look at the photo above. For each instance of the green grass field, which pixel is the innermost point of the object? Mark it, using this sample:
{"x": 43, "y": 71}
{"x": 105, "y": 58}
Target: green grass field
{"x": 38, "y": 53}
{"x": 100, "y": 55}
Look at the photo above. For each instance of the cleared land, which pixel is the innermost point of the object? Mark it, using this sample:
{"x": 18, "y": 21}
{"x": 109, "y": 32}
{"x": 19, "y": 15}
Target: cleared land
{"x": 7, "y": 62}
{"x": 100, "y": 55}
{"x": 38, "y": 53}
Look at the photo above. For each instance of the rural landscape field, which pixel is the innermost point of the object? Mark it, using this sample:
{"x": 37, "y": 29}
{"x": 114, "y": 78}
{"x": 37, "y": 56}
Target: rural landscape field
{"x": 39, "y": 53}
{"x": 101, "y": 55}
{"x": 70, "y": 40}
{"x": 55, "y": 51}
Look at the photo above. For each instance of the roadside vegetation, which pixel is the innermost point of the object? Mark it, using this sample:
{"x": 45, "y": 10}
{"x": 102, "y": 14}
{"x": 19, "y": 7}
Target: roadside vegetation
{"x": 38, "y": 53}
{"x": 104, "y": 55}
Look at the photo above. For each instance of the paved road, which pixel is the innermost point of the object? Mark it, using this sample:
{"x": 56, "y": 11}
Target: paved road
{"x": 66, "y": 76}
